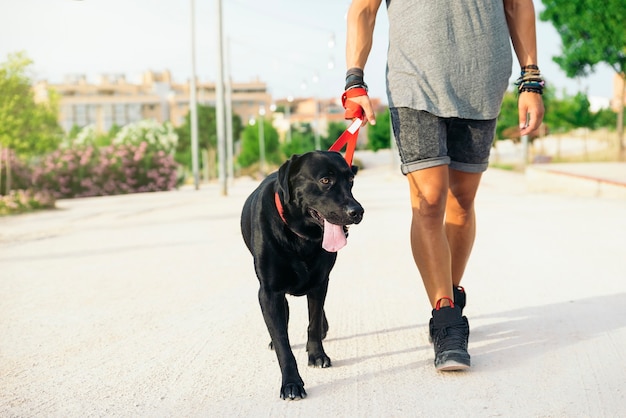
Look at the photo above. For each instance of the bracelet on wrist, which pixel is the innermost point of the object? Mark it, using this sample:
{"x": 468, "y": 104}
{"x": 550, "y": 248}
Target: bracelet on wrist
{"x": 530, "y": 80}
{"x": 354, "y": 86}
{"x": 354, "y": 79}
{"x": 354, "y": 71}
{"x": 529, "y": 67}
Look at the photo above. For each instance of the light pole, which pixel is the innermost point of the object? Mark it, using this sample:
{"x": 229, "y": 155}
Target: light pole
{"x": 288, "y": 114}
{"x": 318, "y": 145}
{"x": 230, "y": 170}
{"x": 219, "y": 105}
{"x": 262, "y": 139}
{"x": 193, "y": 101}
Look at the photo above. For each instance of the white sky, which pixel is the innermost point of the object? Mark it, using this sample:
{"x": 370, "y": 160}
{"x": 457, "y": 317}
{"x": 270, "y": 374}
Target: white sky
{"x": 282, "y": 42}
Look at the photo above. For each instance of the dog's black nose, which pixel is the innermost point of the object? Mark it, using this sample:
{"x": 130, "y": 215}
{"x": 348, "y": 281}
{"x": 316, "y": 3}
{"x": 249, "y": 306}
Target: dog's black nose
{"x": 355, "y": 212}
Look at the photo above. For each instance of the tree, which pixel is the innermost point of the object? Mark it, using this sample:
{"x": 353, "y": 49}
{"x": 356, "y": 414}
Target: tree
{"x": 379, "y": 135}
{"x": 302, "y": 140}
{"x": 592, "y": 32}
{"x": 27, "y": 128}
{"x": 250, "y": 145}
{"x": 604, "y": 118}
{"x": 508, "y": 119}
{"x": 335, "y": 129}
{"x": 207, "y": 134}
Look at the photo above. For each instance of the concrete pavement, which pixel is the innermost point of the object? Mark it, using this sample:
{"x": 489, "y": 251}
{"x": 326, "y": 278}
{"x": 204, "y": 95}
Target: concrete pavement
{"x": 145, "y": 306}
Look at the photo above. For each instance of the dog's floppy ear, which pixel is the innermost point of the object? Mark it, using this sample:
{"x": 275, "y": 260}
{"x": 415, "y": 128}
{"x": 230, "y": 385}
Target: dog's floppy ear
{"x": 355, "y": 169}
{"x": 284, "y": 172}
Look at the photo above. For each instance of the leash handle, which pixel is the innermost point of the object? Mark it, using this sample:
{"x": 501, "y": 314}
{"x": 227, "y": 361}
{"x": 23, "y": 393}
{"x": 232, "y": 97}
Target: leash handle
{"x": 349, "y": 137}
{"x": 353, "y": 109}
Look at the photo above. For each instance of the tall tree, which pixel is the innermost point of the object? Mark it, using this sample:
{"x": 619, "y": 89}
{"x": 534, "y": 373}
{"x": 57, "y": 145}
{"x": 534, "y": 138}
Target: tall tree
{"x": 26, "y": 127}
{"x": 592, "y": 32}
{"x": 250, "y": 145}
{"x": 207, "y": 134}
{"x": 335, "y": 129}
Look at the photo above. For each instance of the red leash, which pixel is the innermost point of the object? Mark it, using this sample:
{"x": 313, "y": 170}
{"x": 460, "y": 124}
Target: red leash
{"x": 350, "y": 135}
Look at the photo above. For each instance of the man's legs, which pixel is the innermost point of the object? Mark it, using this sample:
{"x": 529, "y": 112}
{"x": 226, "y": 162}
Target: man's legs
{"x": 443, "y": 159}
{"x": 442, "y": 235}
{"x": 431, "y": 251}
{"x": 443, "y": 226}
{"x": 461, "y": 220}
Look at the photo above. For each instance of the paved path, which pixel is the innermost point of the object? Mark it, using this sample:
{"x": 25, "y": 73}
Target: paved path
{"x": 145, "y": 306}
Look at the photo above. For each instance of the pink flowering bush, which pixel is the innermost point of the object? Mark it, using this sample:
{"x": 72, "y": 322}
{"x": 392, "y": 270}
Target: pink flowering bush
{"x": 19, "y": 172}
{"x": 19, "y": 201}
{"x": 140, "y": 159}
{"x": 115, "y": 169}
{"x": 14, "y": 184}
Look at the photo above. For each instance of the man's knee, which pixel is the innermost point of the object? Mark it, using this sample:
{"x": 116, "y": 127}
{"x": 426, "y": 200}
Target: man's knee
{"x": 463, "y": 187}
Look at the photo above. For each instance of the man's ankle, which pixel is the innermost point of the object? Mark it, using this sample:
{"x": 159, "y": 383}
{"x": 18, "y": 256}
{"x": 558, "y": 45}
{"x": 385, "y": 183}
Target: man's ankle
{"x": 444, "y": 302}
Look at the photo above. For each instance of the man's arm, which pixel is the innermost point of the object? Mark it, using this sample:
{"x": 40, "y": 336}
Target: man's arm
{"x": 359, "y": 39}
{"x": 520, "y": 17}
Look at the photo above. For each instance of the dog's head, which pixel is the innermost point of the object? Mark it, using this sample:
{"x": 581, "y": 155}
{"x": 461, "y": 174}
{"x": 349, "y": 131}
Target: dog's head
{"x": 316, "y": 188}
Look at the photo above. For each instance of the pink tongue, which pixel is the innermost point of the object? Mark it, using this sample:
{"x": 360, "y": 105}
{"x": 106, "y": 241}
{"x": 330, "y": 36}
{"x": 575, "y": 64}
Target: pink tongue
{"x": 334, "y": 237}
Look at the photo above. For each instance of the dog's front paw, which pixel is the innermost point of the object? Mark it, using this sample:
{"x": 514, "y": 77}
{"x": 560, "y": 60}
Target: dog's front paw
{"x": 292, "y": 391}
{"x": 319, "y": 360}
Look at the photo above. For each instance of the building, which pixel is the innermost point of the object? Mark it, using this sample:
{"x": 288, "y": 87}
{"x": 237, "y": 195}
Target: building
{"x": 303, "y": 111}
{"x": 113, "y": 100}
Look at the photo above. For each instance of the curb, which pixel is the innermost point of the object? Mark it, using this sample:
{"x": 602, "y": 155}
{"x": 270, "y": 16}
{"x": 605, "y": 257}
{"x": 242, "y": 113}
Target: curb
{"x": 605, "y": 180}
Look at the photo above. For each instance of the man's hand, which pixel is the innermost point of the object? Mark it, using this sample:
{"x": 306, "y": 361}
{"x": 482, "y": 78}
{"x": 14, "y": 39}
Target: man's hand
{"x": 531, "y": 110}
{"x": 354, "y": 103}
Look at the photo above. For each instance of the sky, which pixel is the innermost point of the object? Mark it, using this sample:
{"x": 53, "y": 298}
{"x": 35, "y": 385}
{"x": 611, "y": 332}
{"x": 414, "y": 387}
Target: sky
{"x": 297, "y": 47}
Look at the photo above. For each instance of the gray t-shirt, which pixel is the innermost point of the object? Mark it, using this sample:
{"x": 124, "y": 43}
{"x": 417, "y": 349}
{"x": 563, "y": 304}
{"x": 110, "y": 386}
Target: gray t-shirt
{"x": 451, "y": 58}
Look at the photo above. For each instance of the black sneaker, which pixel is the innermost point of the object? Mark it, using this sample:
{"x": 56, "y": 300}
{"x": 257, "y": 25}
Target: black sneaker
{"x": 459, "y": 296}
{"x": 450, "y": 333}
{"x": 459, "y": 299}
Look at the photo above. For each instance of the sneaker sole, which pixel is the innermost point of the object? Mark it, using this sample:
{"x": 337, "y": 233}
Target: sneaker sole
{"x": 451, "y": 366}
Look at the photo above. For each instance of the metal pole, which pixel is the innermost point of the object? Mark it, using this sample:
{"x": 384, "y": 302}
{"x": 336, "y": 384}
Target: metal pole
{"x": 288, "y": 114}
{"x": 230, "y": 170}
{"x": 262, "y": 139}
{"x": 318, "y": 145}
{"x": 219, "y": 107}
{"x": 193, "y": 101}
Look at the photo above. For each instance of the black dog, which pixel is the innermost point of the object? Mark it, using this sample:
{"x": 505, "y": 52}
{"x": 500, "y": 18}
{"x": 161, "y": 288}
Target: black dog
{"x": 293, "y": 224}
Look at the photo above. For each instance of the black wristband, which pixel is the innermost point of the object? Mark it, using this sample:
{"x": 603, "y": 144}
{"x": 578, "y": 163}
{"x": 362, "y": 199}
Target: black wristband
{"x": 354, "y": 71}
{"x": 354, "y": 78}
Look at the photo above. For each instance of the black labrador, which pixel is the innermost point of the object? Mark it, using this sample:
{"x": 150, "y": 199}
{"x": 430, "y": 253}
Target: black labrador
{"x": 294, "y": 223}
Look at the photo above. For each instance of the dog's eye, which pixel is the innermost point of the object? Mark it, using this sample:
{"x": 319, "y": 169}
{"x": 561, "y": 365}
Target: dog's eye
{"x": 325, "y": 180}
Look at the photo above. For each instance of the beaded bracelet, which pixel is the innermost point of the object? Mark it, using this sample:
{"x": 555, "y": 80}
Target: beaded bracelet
{"x": 529, "y": 67}
{"x": 530, "y": 80}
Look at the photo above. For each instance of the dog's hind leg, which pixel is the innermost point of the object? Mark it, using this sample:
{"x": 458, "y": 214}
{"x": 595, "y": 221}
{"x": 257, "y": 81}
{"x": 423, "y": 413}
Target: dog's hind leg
{"x": 275, "y": 316}
{"x": 317, "y": 327}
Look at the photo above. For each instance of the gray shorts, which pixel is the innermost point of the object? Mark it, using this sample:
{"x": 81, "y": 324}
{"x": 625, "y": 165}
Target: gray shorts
{"x": 425, "y": 140}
